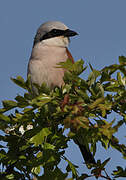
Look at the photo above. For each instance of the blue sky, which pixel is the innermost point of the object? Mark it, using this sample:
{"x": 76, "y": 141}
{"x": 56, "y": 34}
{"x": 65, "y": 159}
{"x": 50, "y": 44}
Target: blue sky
{"x": 101, "y": 26}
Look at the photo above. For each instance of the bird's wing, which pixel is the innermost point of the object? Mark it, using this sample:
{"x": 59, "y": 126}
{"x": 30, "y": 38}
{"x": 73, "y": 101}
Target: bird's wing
{"x": 69, "y": 55}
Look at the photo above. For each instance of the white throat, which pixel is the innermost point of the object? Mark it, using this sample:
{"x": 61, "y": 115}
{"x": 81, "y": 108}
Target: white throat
{"x": 60, "y": 41}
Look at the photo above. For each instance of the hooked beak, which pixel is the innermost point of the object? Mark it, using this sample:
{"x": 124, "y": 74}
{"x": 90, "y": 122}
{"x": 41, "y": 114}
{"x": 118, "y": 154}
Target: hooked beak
{"x": 69, "y": 33}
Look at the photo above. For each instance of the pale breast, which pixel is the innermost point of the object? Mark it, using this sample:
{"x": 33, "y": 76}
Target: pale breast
{"x": 42, "y": 65}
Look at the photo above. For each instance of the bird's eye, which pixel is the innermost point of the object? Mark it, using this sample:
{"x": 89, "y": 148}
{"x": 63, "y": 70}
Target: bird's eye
{"x": 54, "y": 30}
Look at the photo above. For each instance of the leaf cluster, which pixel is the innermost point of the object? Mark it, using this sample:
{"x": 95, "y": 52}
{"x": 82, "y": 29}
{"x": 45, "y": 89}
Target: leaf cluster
{"x": 33, "y": 138}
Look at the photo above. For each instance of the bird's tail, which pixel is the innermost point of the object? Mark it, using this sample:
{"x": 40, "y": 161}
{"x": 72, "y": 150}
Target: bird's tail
{"x": 87, "y": 155}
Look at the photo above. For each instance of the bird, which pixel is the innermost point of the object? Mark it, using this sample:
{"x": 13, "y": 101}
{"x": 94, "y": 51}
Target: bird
{"x": 50, "y": 47}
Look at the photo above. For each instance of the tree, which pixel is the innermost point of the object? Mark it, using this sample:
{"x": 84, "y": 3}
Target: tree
{"x": 33, "y": 126}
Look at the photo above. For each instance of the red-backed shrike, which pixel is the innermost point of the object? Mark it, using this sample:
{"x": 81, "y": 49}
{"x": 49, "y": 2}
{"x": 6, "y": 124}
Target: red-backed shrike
{"x": 49, "y": 48}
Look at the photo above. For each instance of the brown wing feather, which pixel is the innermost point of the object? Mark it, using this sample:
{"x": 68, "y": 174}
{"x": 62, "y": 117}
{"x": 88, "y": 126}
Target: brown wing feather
{"x": 69, "y": 55}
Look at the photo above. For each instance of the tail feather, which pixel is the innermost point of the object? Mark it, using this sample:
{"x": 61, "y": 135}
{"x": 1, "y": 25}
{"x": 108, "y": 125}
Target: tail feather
{"x": 87, "y": 155}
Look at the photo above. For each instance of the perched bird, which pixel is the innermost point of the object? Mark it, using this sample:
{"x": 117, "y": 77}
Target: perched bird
{"x": 49, "y": 48}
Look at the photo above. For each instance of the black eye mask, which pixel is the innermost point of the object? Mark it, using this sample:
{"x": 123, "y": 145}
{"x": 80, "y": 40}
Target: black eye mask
{"x": 58, "y": 32}
{"x": 54, "y": 33}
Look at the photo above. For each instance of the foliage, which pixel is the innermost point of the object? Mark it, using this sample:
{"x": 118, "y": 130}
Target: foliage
{"x": 34, "y": 142}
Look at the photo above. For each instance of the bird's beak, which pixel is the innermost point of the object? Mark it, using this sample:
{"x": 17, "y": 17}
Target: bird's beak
{"x": 69, "y": 33}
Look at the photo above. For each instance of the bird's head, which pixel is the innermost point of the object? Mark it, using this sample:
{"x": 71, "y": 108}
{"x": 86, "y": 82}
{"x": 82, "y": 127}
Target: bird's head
{"x": 53, "y": 33}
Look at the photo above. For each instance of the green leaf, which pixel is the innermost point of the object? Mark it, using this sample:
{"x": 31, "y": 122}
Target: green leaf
{"x": 122, "y": 60}
{"x": 40, "y": 137}
{"x": 36, "y": 170}
{"x": 9, "y": 104}
{"x": 2, "y": 154}
{"x": 41, "y": 100}
{"x": 120, "y": 172}
{"x": 22, "y": 157}
{"x": 48, "y": 146}
{"x": 4, "y": 118}
{"x": 93, "y": 76}
{"x": 111, "y": 69}
{"x": 66, "y": 65}
{"x": 78, "y": 67}
{"x": 71, "y": 167}
{"x": 75, "y": 68}
{"x": 10, "y": 176}
{"x": 20, "y": 82}
{"x": 107, "y": 129}
{"x": 96, "y": 103}
{"x": 21, "y": 101}
{"x": 121, "y": 80}
{"x": 105, "y": 76}
{"x": 58, "y": 174}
